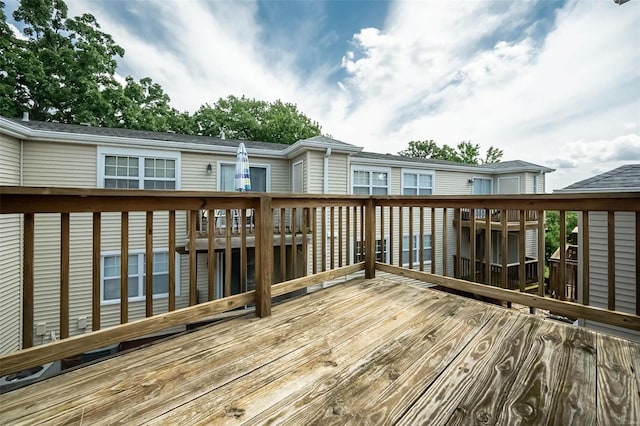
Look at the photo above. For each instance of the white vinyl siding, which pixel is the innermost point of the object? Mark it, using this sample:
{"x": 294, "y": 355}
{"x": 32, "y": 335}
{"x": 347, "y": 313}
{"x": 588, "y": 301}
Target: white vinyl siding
{"x": 59, "y": 164}
{"x": 625, "y": 268}
{"x": 10, "y": 252}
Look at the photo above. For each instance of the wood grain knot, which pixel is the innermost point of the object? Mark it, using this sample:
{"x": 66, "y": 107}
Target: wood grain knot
{"x": 393, "y": 373}
{"x": 483, "y": 417}
{"x": 234, "y": 412}
{"x": 337, "y": 408}
{"x": 330, "y": 364}
{"x": 524, "y": 409}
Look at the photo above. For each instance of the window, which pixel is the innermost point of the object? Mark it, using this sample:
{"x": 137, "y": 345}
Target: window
{"x": 417, "y": 183}
{"x": 137, "y": 169}
{"x": 370, "y": 182}
{"x": 137, "y": 276}
{"x": 482, "y": 186}
{"x": 258, "y": 174}
{"x": 381, "y": 251}
{"x": 416, "y": 250}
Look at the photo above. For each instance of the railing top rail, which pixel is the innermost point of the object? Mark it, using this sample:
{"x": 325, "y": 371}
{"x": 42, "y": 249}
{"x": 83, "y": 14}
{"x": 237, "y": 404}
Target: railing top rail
{"x": 15, "y": 199}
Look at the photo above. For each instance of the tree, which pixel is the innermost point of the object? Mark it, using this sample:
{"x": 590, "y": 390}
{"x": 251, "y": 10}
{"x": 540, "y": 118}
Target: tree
{"x": 465, "y": 152}
{"x": 552, "y": 232}
{"x": 244, "y": 118}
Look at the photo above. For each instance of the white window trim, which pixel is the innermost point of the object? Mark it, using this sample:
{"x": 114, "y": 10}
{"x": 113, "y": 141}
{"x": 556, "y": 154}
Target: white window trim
{"x": 510, "y": 177}
{"x": 104, "y": 151}
{"x": 219, "y": 164}
{"x": 431, "y": 173}
{"x": 482, "y": 178}
{"x": 139, "y": 298}
{"x": 373, "y": 169}
{"x": 416, "y": 247}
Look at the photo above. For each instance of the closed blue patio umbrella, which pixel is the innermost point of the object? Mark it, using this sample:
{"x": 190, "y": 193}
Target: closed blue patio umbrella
{"x": 243, "y": 176}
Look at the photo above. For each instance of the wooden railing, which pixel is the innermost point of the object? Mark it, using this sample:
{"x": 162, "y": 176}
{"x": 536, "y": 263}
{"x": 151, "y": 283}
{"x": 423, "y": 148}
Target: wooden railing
{"x": 294, "y": 241}
{"x": 495, "y": 214}
{"x": 513, "y": 273}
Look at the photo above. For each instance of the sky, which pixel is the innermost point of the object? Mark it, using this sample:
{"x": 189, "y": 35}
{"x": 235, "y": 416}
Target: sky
{"x": 555, "y": 83}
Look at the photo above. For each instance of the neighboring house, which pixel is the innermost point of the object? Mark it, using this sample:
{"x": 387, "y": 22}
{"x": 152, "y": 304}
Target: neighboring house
{"x": 61, "y": 155}
{"x": 627, "y": 275}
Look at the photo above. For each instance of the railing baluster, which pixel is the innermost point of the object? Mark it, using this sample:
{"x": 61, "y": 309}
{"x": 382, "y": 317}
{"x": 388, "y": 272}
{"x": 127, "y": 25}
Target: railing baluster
{"x": 211, "y": 255}
{"x": 611, "y": 260}
{"x": 283, "y": 245}
{"x": 148, "y": 281}
{"x": 410, "y": 237}
{"x": 305, "y": 229}
{"x": 400, "y": 235}
{"x": 172, "y": 262}
{"x": 95, "y": 296}
{"x": 124, "y": 267}
{"x": 340, "y": 236}
{"x": 563, "y": 256}
{"x": 243, "y": 250}
{"x": 523, "y": 247}
{"x": 457, "y": 267}
{"x": 421, "y": 239}
{"x": 27, "y": 281}
{"x": 362, "y": 235}
{"x": 445, "y": 225}
{"x": 391, "y": 231}
{"x": 504, "y": 249}
{"x": 637, "y": 214}
{"x": 64, "y": 275}
{"x": 332, "y": 233}
{"x": 585, "y": 257}
{"x": 294, "y": 243}
{"x": 472, "y": 241}
{"x": 487, "y": 247}
{"x": 382, "y": 235}
{"x": 323, "y": 236}
{"x": 541, "y": 253}
{"x": 314, "y": 239}
{"x": 193, "y": 258}
{"x": 228, "y": 253}
{"x": 433, "y": 240}
{"x": 370, "y": 239}
{"x": 348, "y": 235}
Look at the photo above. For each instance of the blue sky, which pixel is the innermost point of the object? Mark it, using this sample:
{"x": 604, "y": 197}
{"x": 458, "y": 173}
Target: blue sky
{"x": 550, "y": 82}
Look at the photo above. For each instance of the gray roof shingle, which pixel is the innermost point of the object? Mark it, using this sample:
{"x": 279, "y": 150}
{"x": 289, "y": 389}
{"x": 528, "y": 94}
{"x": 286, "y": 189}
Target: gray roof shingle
{"x": 624, "y": 177}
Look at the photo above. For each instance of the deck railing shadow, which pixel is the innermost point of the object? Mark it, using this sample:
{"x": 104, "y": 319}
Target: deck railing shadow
{"x": 293, "y": 242}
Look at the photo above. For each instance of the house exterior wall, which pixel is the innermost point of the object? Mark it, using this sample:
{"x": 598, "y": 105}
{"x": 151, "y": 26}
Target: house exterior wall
{"x": 625, "y": 267}
{"x": 10, "y": 252}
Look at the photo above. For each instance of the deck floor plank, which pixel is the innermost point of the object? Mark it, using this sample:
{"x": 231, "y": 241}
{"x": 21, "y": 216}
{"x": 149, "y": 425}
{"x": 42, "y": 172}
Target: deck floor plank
{"x": 376, "y": 351}
{"x": 556, "y": 384}
{"x": 618, "y": 393}
{"x": 183, "y": 360}
{"x": 356, "y": 388}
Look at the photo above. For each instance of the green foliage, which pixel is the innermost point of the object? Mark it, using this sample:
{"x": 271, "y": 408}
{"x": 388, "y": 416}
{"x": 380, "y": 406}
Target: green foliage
{"x": 65, "y": 71}
{"x": 244, "y": 118}
{"x": 552, "y": 232}
{"x": 465, "y": 152}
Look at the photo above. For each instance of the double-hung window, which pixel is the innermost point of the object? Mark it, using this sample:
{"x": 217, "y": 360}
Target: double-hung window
{"x": 415, "y": 249}
{"x": 366, "y": 181}
{"x": 138, "y": 169}
{"x": 417, "y": 183}
{"x": 136, "y": 288}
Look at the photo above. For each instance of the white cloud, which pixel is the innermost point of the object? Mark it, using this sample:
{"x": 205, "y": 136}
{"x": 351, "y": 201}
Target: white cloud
{"x": 424, "y": 75}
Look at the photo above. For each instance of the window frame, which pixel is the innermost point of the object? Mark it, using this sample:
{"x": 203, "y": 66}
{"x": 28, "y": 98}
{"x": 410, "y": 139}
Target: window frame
{"x": 416, "y": 172}
{"x": 141, "y": 297}
{"x": 416, "y": 249}
{"x": 221, "y": 163}
{"x": 142, "y": 155}
{"x": 356, "y": 168}
{"x": 359, "y": 246}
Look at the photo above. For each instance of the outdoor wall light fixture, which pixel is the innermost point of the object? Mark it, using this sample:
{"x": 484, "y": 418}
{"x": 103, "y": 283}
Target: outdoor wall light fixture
{"x": 470, "y": 180}
{"x": 209, "y": 169}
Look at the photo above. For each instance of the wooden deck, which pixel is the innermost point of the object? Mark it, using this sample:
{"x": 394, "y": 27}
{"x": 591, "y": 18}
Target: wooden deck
{"x": 365, "y": 352}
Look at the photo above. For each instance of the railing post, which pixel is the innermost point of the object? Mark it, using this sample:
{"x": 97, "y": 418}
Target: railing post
{"x": 370, "y": 240}
{"x": 264, "y": 262}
